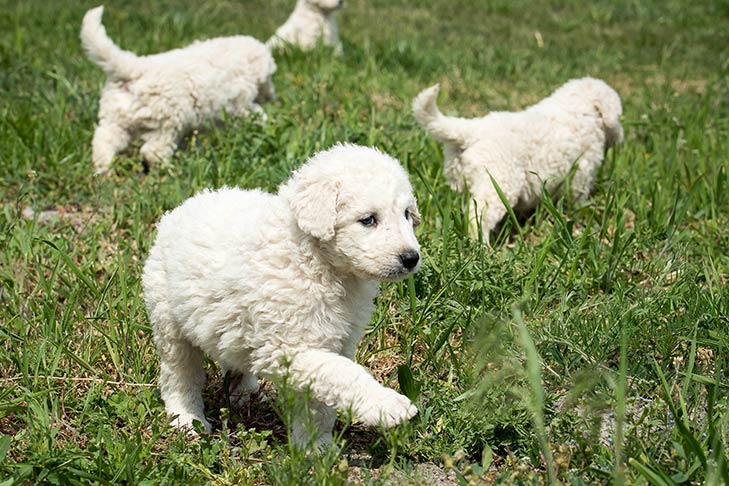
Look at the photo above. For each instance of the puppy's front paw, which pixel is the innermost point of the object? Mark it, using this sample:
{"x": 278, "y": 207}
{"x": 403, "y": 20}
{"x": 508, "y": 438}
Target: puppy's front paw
{"x": 387, "y": 409}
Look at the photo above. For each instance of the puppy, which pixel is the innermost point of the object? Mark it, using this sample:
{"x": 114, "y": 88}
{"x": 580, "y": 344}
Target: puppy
{"x": 524, "y": 150}
{"x": 283, "y": 285}
{"x": 160, "y": 97}
{"x": 310, "y": 21}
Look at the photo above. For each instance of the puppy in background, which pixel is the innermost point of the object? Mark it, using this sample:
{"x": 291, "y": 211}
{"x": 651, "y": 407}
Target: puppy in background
{"x": 161, "y": 97}
{"x": 283, "y": 285}
{"x": 310, "y": 21}
{"x": 522, "y": 151}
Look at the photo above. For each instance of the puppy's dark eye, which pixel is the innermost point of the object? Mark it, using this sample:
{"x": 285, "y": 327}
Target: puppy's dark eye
{"x": 407, "y": 214}
{"x": 369, "y": 220}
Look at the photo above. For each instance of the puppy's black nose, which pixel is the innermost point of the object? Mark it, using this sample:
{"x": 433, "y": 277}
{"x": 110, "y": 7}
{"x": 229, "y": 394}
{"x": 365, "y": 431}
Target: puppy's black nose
{"x": 409, "y": 259}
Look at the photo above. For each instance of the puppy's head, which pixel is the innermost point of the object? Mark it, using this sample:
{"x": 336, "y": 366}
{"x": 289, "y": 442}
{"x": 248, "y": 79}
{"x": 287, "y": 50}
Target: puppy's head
{"x": 326, "y": 5}
{"x": 358, "y": 203}
{"x": 262, "y": 66}
{"x": 596, "y": 96}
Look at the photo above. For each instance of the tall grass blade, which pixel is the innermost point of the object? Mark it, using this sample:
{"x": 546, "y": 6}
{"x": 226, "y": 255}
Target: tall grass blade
{"x": 656, "y": 478}
{"x": 680, "y": 418}
{"x": 74, "y": 268}
{"x": 536, "y": 397}
{"x": 507, "y": 206}
{"x": 620, "y": 395}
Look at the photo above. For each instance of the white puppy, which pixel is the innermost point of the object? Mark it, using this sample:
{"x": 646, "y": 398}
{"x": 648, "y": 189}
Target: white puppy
{"x": 310, "y": 21}
{"x": 523, "y": 150}
{"x": 160, "y": 97}
{"x": 273, "y": 285}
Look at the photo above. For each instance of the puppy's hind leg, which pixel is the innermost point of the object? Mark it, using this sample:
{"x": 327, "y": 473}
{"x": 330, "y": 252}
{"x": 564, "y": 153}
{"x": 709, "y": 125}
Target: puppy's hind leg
{"x": 312, "y": 422}
{"x": 159, "y": 146}
{"x": 583, "y": 179}
{"x": 489, "y": 209}
{"x": 109, "y": 139}
{"x": 241, "y": 386}
{"x": 181, "y": 380}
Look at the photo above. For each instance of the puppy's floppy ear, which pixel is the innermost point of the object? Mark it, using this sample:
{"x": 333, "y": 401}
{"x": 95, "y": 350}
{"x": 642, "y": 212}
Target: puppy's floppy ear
{"x": 415, "y": 214}
{"x": 314, "y": 203}
{"x": 609, "y": 110}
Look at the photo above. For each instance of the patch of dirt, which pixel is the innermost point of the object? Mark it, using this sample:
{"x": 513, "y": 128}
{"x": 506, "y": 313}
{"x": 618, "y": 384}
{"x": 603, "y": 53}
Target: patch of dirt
{"x": 384, "y": 100}
{"x": 626, "y": 85}
{"x": 75, "y": 215}
{"x": 425, "y": 473}
{"x": 383, "y": 364}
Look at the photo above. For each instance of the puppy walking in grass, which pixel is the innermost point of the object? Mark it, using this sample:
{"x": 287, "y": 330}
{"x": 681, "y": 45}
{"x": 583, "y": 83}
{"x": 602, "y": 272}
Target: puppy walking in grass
{"x": 522, "y": 151}
{"x": 272, "y": 285}
{"x": 311, "y": 21}
{"x": 160, "y": 97}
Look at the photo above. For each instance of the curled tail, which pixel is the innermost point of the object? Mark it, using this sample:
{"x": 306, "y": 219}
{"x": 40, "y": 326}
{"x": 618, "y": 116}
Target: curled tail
{"x": 439, "y": 126}
{"x": 115, "y": 62}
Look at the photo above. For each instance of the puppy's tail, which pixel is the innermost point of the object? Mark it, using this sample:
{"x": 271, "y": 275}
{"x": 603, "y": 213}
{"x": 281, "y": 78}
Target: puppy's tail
{"x": 116, "y": 63}
{"x": 442, "y": 128}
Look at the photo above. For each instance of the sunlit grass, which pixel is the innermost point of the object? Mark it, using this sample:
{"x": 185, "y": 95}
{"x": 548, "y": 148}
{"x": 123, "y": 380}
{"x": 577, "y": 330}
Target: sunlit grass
{"x": 588, "y": 344}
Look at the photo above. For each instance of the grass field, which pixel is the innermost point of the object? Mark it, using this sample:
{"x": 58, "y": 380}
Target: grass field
{"x": 588, "y": 345}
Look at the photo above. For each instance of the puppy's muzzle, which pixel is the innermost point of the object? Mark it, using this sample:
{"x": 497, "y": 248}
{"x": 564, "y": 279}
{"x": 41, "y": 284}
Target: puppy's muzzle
{"x": 409, "y": 259}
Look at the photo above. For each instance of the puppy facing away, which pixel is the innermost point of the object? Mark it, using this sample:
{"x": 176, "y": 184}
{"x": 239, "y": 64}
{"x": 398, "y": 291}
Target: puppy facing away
{"x": 524, "y": 150}
{"x": 310, "y": 21}
{"x": 283, "y": 285}
{"x": 160, "y": 97}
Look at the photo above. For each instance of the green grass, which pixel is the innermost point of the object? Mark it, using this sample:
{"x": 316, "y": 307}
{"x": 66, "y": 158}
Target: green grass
{"x": 588, "y": 345}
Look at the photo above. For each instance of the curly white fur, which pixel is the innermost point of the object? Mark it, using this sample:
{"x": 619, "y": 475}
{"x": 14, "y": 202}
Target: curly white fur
{"x": 310, "y": 21}
{"x": 160, "y": 97}
{"x": 270, "y": 285}
{"x": 524, "y": 150}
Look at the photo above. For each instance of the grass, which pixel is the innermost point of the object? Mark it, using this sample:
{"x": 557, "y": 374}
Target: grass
{"x": 589, "y": 344}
